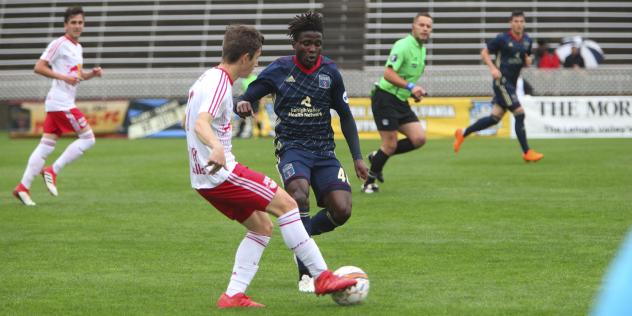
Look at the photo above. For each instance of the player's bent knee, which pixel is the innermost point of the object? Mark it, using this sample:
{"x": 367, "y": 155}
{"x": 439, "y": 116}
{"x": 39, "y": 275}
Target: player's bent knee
{"x": 266, "y": 227}
{"x": 259, "y": 223}
{"x": 419, "y": 141}
{"x": 341, "y": 211}
{"x": 300, "y": 198}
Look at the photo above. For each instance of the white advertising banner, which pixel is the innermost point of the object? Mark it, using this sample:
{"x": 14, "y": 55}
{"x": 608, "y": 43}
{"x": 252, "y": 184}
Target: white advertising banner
{"x": 577, "y": 117}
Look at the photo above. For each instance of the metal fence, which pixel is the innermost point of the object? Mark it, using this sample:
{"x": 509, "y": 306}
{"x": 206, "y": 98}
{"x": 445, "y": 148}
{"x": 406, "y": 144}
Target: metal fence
{"x": 438, "y": 81}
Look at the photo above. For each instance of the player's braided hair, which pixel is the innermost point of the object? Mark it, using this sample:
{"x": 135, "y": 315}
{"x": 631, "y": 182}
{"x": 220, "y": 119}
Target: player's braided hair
{"x": 308, "y": 21}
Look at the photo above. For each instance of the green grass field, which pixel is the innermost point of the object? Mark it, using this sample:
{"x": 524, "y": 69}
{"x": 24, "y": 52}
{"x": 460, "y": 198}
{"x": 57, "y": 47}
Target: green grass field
{"x": 481, "y": 233}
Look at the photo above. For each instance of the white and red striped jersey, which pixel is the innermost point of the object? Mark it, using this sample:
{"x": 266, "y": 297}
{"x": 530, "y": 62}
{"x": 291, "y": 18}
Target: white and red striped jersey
{"x": 64, "y": 55}
{"x": 211, "y": 93}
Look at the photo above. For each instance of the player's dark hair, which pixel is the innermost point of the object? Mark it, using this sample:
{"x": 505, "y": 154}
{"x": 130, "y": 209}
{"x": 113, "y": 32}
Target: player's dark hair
{"x": 308, "y": 21}
{"x": 72, "y": 11}
{"x": 515, "y": 14}
{"x": 426, "y": 14}
{"x": 239, "y": 40}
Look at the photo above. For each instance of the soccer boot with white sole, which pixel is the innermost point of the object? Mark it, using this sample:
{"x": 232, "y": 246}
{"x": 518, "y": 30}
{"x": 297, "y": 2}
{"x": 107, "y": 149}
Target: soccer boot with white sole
{"x": 22, "y": 193}
{"x": 50, "y": 179}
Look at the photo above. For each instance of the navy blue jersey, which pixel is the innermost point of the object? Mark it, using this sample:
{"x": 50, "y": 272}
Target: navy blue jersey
{"x": 303, "y": 99}
{"x": 510, "y": 54}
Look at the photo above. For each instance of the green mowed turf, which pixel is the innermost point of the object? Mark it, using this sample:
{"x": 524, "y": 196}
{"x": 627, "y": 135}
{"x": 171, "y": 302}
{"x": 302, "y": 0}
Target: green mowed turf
{"x": 478, "y": 233}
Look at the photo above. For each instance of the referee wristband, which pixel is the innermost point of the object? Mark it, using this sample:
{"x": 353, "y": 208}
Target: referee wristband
{"x": 410, "y": 86}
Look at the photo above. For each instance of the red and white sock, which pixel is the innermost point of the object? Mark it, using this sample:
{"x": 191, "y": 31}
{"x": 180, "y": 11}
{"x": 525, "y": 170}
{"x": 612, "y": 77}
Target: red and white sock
{"x": 37, "y": 160}
{"x": 297, "y": 239}
{"x": 74, "y": 150}
{"x": 246, "y": 262}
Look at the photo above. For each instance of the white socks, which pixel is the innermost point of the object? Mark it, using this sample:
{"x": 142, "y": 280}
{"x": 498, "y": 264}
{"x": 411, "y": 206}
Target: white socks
{"x": 297, "y": 239}
{"x": 252, "y": 246}
{"x": 246, "y": 262}
{"x": 37, "y": 160}
{"x": 74, "y": 150}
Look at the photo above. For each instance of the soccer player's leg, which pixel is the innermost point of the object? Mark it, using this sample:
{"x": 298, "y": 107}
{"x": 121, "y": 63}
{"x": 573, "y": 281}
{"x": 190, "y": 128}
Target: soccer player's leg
{"x": 34, "y": 167}
{"x": 37, "y": 160}
{"x": 529, "y": 155}
{"x": 247, "y": 259}
{"x": 385, "y": 117}
{"x": 500, "y": 102}
{"x": 294, "y": 167}
{"x": 414, "y": 132}
{"x": 333, "y": 192}
{"x": 239, "y": 198}
{"x": 69, "y": 121}
{"x": 303, "y": 246}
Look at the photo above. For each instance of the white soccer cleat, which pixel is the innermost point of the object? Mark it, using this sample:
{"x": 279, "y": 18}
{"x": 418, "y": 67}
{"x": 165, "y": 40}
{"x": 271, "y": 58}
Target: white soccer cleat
{"x": 50, "y": 178}
{"x": 23, "y": 194}
{"x": 306, "y": 284}
{"x": 370, "y": 188}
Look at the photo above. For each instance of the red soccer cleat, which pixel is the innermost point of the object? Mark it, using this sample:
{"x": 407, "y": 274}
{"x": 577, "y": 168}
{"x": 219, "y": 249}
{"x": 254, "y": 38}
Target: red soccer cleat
{"x": 458, "y": 139}
{"x": 237, "y": 300}
{"x": 327, "y": 282}
{"x": 50, "y": 178}
{"x": 22, "y": 193}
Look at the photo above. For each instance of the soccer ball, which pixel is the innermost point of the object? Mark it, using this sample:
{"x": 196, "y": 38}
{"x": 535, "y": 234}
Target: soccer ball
{"x": 355, "y": 294}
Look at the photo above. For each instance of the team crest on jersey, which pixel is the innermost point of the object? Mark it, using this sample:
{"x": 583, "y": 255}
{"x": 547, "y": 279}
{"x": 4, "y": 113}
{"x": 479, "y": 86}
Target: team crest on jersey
{"x": 393, "y": 58}
{"x": 288, "y": 171}
{"x": 324, "y": 81}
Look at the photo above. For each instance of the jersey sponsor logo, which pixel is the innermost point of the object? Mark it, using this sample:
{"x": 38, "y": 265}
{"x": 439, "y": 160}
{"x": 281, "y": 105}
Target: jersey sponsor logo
{"x": 288, "y": 171}
{"x": 290, "y": 79}
{"x": 324, "y": 81}
{"x": 385, "y": 122}
{"x": 307, "y": 101}
{"x": 393, "y": 58}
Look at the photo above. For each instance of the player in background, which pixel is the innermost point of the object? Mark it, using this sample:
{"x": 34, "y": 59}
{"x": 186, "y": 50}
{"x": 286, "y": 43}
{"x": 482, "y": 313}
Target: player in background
{"x": 239, "y": 193}
{"x": 306, "y": 87}
{"x": 61, "y": 61}
{"x": 513, "y": 51}
{"x": 389, "y": 102}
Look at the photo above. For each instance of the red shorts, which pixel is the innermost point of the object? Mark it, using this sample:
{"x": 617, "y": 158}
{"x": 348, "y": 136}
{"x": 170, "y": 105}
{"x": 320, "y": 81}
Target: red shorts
{"x": 60, "y": 122}
{"x": 244, "y": 192}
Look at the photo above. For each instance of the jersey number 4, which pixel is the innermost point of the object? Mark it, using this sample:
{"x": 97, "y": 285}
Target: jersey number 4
{"x": 343, "y": 176}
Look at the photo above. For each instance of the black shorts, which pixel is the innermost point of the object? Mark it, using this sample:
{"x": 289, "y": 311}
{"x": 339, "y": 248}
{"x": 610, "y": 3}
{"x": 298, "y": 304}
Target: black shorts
{"x": 389, "y": 112}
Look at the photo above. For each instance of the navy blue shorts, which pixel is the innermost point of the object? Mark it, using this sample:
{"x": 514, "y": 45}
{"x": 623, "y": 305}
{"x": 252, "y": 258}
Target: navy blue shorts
{"x": 505, "y": 94}
{"x": 323, "y": 174}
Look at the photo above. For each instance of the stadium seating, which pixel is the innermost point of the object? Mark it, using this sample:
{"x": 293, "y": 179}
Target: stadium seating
{"x": 155, "y": 48}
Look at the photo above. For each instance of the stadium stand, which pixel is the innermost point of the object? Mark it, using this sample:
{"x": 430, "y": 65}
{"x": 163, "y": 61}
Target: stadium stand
{"x": 153, "y": 48}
